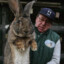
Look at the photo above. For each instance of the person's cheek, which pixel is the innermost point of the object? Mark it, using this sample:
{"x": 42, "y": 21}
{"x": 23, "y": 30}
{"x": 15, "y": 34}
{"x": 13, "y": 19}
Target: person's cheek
{"x": 47, "y": 26}
{"x": 37, "y": 23}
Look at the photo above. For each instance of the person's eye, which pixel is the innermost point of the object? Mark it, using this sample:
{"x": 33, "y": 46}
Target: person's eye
{"x": 40, "y": 19}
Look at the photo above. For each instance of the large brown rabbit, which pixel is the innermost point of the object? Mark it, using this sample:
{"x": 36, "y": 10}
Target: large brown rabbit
{"x": 21, "y": 35}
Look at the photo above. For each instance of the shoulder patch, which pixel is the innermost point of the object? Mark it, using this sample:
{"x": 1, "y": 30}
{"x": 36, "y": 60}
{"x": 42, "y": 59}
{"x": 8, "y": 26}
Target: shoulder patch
{"x": 49, "y": 43}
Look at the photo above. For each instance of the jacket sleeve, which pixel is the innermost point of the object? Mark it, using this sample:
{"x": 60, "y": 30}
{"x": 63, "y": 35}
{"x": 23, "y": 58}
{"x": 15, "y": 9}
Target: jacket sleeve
{"x": 56, "y": 54}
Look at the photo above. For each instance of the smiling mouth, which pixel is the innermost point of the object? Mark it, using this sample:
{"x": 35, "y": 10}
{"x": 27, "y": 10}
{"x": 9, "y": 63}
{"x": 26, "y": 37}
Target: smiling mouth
{"x": 41, "y": 28}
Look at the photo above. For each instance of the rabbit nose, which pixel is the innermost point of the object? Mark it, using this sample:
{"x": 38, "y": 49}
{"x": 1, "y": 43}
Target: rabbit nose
{"x": 26, "y": 31}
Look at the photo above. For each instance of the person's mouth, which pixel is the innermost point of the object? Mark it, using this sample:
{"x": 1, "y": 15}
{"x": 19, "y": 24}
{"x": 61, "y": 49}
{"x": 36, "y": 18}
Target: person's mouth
{"x": 41, "y": 28}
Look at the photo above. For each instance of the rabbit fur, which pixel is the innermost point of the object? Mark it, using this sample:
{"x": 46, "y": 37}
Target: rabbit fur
{"x": 21, "y": 35}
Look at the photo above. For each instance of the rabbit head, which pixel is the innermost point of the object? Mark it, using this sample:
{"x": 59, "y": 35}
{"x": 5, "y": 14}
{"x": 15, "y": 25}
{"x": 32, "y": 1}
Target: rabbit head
{"x": 22, "y": 25}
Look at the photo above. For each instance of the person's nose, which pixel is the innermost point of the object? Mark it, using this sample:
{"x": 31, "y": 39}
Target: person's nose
{"x": 43, "y": 23}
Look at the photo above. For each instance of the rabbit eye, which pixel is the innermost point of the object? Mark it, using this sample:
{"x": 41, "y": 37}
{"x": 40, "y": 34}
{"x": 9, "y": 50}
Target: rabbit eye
{"x": 18, "y": 21}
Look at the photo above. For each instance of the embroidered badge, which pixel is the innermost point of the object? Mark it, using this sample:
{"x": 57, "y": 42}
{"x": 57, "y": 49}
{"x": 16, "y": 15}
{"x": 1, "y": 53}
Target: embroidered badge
{"x": 49, "y": 12}
{"x": 49, "y": 43}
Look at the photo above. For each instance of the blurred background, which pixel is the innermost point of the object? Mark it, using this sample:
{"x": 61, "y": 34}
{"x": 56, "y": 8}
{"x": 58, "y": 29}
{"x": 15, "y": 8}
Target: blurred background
{"x": 6, "y": 17}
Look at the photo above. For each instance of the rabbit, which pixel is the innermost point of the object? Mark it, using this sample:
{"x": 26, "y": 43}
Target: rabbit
{"x": 21, "y": 35}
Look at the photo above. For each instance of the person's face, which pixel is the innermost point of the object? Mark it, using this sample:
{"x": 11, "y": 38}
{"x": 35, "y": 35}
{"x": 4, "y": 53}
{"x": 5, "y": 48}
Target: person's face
{"x": 42, "y": 23}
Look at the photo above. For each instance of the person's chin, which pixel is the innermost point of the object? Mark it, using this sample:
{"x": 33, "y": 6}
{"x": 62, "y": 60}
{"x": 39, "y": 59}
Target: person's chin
{"x": 40, "y": 30}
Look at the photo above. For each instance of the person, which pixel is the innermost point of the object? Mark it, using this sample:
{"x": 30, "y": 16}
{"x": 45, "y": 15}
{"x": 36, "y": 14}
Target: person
{"x": 48, "y": 41}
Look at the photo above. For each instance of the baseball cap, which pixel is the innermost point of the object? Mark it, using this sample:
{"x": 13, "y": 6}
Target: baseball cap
{"x": 48, "y": 13}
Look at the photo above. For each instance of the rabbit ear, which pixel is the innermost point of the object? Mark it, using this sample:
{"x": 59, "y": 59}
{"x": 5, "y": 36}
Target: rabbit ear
{"x": 15, "y": 7}
{"x": 28, "y": 8}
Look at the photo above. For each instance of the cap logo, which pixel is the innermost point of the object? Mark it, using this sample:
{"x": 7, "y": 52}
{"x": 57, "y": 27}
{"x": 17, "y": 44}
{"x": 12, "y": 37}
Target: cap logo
{"x": 49, "y": 12}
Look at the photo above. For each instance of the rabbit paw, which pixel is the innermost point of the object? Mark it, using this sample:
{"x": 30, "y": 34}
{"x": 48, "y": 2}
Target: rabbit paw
{"x": 34, "y": 46}
{"x": 23, "y": 49}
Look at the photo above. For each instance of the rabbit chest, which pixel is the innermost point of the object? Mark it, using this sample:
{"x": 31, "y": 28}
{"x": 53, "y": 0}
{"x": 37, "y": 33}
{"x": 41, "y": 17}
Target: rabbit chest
{"x": 21, "y": 57}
